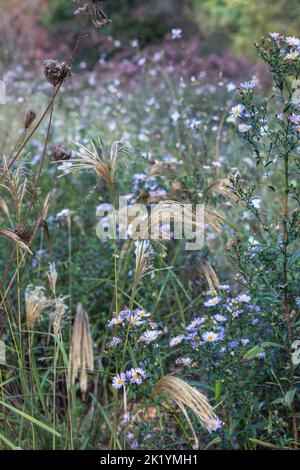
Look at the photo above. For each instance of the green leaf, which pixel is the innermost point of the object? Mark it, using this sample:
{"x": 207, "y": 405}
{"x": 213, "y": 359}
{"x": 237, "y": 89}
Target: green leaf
{"x": 8, "y": 442}
{"x": 30, "y": 418}
{"x": 253, "y": 353}
{"x": 217, "y": 390}
{"x": 256, "y": 350}
{"x": 289, "y": 397}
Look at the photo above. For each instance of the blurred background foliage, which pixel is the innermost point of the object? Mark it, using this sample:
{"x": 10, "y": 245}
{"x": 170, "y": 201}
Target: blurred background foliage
{"x": 29, "y": 28}
{"x": 229, "y": 24}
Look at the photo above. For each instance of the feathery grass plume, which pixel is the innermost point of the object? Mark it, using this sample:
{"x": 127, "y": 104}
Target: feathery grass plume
{"x": 18, "y": 182}
{"x": 36, "y": 303}
{"x": 211, "y": 276}
{"x": 162, "y": 168}
{"x": 173, "y": 211}
{"x": 224, "y": 188}
{"x": 4, "y": 207}
{"x": 143, "y": 260}
{"x": 52, "y": 277}
{"x": 186, "y": 397}
{"x": 213, "y": 218}
{"x": 95, "y": 159}
{"x": 15, "y": 238}
{"x": 59, "y": 314}
{"x": 81, "y": 356}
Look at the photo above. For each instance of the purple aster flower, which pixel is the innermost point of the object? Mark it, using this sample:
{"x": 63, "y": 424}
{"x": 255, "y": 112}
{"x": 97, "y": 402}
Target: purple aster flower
{"x": 195, "y": 323}
{"x": 136, "y": 375}
{"x": 243, "y": 298}
{"x": 236, "y": 313}
{"x": 115, "y": 341}
{"x": 237, "y": 111}
{"x": 210, "y": 336}
{"x": 119, "y": 380}
{"x": 150, "y": 336}
{"x": 248, "y": 86}
{"x": 186, "y": 361}
{"x": 212, "y": 302}
{"x": 245, "y": 341}
{"x": 176, "y": 340}
{"x": 224, "y": 287}
{"x": 220, "y": 318}
{"x": 262, "y": 355}
{"x": 214, "y": 424}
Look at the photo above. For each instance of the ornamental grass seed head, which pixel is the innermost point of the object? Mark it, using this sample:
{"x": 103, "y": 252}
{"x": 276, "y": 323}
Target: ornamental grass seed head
{"x": 35, "y": 303}
{"x": 81, "y": 356}
{"x": 187, "y": 397}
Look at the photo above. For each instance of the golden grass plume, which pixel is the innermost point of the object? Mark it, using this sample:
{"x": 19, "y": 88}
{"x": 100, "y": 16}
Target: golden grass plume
{"x": 81, "y": 356}
{"x": 94, "y": 158}
{"x": 36, "y": 303}
{"x": 186, "y": 397}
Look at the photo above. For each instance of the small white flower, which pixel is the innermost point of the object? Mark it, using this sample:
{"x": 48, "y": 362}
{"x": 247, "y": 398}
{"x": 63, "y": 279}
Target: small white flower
{"x": 237, "y": 111}
{"x": 66, "y": 167}
{"x": 292, "y": 41}
{"x": 119, "y": 381}
{"x": 243, "y": 128}
{"x": 64, "y": 214}
{"x": 210, "y": 337}
{"x": 150, "y": 336}
{"x": 292, "y": 56}
{"x": 176, "y": 33}
{"x": 175, "y": 116}
{"x": 115, "y": 321}
{"x": 215, "y": 424}
{"x": 137, "y": 375}
{"x": 176, "y": 340}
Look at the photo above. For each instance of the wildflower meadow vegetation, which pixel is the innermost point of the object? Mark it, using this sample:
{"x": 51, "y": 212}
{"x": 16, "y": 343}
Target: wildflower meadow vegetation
{"x": 117, "y": 330}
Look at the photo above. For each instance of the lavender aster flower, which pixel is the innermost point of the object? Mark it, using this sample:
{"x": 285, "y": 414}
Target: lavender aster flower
{"x": 212, "y": 302}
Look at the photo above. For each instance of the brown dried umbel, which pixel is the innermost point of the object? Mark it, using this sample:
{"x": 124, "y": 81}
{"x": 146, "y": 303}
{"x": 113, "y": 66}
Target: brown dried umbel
{"x": 61, "y": 153}
{"x": 55, "y": 72}
{"x": 30, "y": 117}
{"x": 24, "y": 232}
{"x": 92, "y": 8}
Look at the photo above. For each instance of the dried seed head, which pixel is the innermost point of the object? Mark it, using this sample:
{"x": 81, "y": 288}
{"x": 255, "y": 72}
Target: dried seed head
{"x": 58, "y": 315}
{"x": 185, "y": 397}
{"x": 52, "y": 277}
{"x": 94, "y": 158}
{"x": 211, "y": 276}
{"x": 92, "y": 8}
{"x": 36, "y": 302}
{"x": 81, "y": 355}
{"x": 30, "y": 117}
{"x": 55, "y": 72}
{"x": 23, "y": 232}
{"x": 61, "y": 153}
{"x": 15, "y": 238}
{"x": 143, "y": 260}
